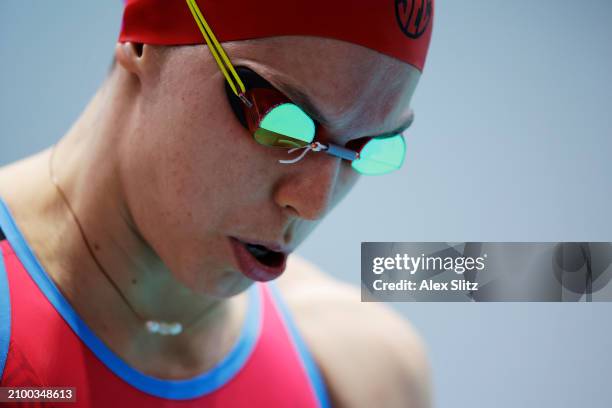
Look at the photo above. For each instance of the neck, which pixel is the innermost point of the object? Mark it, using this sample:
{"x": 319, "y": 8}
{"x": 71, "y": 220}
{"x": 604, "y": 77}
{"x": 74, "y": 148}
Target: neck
{"x": 87, "y": 167}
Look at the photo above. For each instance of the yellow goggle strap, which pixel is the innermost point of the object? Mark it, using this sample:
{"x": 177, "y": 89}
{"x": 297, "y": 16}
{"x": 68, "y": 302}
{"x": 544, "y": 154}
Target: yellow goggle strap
{"x": 218, "y": 53}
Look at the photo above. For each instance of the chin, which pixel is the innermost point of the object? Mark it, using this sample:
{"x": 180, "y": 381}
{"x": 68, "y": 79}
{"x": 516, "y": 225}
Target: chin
{"x": 226, "y": 285}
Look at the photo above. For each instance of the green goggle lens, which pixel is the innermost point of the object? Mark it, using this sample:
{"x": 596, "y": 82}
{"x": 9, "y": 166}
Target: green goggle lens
{"x": 285, "y": 125}
{"x": 381, "y": 156}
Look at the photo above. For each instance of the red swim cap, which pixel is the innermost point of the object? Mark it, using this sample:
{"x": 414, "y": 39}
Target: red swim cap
{"x": 399, "y": 28}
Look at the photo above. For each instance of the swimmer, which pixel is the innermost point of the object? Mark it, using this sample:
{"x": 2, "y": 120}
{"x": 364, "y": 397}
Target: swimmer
{"x": 146, "y": 258}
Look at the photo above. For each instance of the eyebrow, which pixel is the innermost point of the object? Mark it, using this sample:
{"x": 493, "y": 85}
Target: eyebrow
{"x": 306, "y": 103}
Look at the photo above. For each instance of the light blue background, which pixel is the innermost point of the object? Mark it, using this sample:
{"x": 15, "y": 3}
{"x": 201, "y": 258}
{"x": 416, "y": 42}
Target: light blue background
{"x": 512, "y": 142}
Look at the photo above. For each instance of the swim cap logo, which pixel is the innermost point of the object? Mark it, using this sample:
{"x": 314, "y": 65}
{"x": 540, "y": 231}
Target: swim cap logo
{"x": 413, "y": 16}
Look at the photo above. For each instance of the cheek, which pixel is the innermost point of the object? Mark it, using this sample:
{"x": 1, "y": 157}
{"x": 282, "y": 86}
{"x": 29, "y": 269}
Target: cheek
{"x": 202, "y": 156}
{"x": 188, "y": 168}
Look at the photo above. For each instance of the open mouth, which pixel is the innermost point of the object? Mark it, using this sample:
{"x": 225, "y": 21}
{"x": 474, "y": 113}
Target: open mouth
{"x": 258, "y": 262}
{"x": 266, "y": 256}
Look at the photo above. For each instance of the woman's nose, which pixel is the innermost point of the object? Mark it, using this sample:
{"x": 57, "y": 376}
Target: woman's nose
{"x": 308, "y": 188}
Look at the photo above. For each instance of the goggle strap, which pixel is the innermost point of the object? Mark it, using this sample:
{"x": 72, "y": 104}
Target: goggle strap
{"x": 217, "y": 51}
{"x": 245, "y": 100}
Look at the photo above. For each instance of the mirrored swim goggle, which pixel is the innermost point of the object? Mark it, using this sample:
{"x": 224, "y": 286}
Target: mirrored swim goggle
{"x": 275, "y": 121}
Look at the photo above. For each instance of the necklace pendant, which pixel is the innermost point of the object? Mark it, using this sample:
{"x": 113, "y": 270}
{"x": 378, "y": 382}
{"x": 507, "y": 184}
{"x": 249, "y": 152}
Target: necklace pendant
{"x": 164, "y": 328}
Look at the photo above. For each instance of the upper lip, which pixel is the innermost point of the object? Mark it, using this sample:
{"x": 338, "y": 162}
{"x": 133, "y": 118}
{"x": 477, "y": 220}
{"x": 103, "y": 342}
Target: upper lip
{"x": 272, "y": 246}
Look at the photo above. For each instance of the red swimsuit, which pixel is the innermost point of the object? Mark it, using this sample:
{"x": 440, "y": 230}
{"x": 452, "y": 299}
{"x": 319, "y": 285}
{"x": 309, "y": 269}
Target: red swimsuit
{"x": 43, "y": 342}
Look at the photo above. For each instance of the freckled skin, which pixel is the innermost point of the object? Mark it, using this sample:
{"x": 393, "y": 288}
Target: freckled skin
{"x": 193, "y": 175}
{"x": 160, "y": 173}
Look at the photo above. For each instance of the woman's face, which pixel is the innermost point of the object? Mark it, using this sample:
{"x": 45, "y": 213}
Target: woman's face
{"x": 194, "y": 178}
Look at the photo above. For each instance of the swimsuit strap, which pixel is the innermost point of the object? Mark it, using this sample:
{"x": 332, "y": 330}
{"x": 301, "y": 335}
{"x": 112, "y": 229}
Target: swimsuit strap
{"x": 5, "y": 311}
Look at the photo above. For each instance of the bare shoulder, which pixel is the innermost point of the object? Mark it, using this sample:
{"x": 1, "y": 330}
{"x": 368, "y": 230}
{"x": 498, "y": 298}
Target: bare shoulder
{"x": 20, "y": 175}
{"x": 6, "y": 173}
{"x": 368, "y": 355}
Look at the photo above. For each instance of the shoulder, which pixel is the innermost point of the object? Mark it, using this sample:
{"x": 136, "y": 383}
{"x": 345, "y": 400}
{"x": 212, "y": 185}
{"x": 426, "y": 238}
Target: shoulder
{"x": 368, "y": 355}
{"x": 20, "y": 175}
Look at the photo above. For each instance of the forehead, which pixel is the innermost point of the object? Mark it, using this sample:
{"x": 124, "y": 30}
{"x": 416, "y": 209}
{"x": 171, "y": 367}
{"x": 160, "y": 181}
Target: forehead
{"x": 356, "y": 91}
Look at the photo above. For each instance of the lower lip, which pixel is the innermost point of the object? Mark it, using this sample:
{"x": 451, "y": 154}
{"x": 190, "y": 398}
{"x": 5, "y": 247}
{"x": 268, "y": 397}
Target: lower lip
{"x": 252, "y": 268}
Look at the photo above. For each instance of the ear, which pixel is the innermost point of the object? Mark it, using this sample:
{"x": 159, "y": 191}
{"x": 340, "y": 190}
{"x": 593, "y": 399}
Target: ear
{"x": 130, "y": 56}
